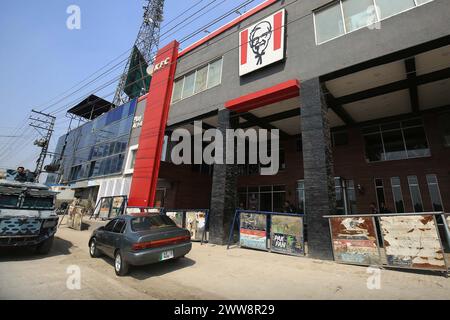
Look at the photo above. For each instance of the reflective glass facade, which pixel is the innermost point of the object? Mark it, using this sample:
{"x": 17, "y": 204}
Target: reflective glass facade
{"x": 98, "y": 148}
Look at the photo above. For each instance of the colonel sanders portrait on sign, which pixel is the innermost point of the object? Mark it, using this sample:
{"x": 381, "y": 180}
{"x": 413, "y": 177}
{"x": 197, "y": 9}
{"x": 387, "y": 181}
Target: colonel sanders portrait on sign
{"x": 259, "y": 40}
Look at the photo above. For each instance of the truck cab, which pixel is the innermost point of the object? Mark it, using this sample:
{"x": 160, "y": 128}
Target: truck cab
{"x": 27, "y": 215}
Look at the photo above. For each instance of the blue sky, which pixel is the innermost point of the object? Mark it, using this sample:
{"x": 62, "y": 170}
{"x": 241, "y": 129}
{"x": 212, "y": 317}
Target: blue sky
{"x": 41, "y": 58}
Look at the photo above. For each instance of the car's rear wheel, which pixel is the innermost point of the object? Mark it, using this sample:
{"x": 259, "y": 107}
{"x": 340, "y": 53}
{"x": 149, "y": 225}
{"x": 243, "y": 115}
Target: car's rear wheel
{"x": 120, "y": 265}
{"x": 93, "y": 250}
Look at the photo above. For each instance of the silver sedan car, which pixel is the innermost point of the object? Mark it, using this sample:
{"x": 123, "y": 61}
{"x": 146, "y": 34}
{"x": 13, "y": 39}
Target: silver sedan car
{"x": 139, "y": 240}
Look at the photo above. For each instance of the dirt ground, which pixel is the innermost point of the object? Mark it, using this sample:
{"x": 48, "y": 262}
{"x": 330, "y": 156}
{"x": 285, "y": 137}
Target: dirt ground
{"x": 208, "y": 272}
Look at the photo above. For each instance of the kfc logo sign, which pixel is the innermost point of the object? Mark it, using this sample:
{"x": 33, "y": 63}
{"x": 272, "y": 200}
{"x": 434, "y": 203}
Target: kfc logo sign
{"x": 152, "y": 69}
{"x": 262, "y": 43}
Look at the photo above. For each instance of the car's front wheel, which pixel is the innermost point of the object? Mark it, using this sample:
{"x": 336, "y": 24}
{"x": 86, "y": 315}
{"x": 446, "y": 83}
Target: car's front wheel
{"x": 93, "y": 250}
{"x": 120, "y": 265}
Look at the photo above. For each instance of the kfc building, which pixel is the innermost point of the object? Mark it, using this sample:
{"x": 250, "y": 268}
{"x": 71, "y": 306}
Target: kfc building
{"x": 358, "y": 89}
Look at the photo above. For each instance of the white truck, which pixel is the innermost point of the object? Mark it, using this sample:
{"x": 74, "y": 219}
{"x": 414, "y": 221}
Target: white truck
{"x": 27, "y": 215}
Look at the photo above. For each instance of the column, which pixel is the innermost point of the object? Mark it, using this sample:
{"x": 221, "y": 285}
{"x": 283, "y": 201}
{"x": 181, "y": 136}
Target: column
{"x": 318, "y": 169}
{"x": 224, "y": 189}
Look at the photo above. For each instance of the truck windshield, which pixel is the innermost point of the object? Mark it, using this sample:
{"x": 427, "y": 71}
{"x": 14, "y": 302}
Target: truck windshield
{"x": 9, "y": 201}
{"x": 37, "y": 202}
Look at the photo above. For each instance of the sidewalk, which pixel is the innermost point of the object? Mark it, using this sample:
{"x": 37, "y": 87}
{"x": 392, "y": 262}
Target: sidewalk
{"x": 211, "y": 272}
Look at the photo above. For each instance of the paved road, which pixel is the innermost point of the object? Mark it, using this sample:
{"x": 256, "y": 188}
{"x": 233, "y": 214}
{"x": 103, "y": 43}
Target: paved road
{"x": 208, "y": 272}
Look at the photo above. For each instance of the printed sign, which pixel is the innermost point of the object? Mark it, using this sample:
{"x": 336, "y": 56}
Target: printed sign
{"x": 355, "y": 240}
{"x": 287, "y": 235}
{"x": 253, "y": 231}
{"x": 195, "y": 223}
{"x": 262, "y": 43}
{"x": 177, "y": 217}
{"x": 412, "y": 242}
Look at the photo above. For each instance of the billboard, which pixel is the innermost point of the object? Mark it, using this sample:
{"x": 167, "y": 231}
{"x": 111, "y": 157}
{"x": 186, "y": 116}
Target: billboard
{"x": 196, "y": 223}
{"x": 412, "y": 242}
{"x": 355, "y": 240}
{"x": 286, "y": 235}
{"x": 253, "y": 231}
{"x": 263, "y": 43}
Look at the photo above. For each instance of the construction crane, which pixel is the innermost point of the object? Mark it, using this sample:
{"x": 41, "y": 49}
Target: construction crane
{"x": 135, "y": 81}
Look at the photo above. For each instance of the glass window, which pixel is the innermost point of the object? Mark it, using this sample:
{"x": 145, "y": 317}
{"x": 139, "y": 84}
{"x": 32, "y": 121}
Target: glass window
{"x": 398, "y": 195}
{"x": 358, "y": 14}
{"x": 374, "y": 147}
{"x": 419, "y": 2}
{"x": 390, "y": 7}
{"x": 351, "y": 196}
{"x": 394, "y": 145}
{"x": 110, "y": 225}
{"x": 188, "y": 88}
{"x": 9, "y": 201}
{"x": 177, "y": 90}
{"x": 215, "y": 73}
{"x": 416, "y": 197}
{"x": 340, "y": 204}
{"x": 301, "y": 195}
{"x": 379, "y": 188}
{"x": 151, "y": 222}
{"x": 435, "y": 193}
{"x": 329, "y": 23}
{"x": 416, "y": 142}
{"x": 119, "y": 227}
{"x": 200, "y": 80}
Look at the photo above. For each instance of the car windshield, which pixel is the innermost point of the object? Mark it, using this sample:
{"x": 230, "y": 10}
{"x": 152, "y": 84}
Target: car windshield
{"x": 151, "y": 222}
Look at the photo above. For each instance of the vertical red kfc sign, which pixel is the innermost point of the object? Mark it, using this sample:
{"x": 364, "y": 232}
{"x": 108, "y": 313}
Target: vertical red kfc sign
{"x": 262, "y": 43}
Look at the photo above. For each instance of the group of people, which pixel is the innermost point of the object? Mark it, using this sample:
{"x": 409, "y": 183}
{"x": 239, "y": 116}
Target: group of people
{"x": 20, "y": 175}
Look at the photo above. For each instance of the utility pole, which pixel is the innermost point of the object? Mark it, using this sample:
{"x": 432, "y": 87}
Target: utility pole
{"x": 44, "y": 124}
{"x": 135, "y": 81}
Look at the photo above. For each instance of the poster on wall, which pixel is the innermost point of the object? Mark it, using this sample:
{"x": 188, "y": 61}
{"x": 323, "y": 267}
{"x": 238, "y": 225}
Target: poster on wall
{"x": 105, "y": 208}
{"x": 354, "y": 240}
{"x": 253, "y": 231}
{"x": 195, "y": 223}
{"x": 286, "y": 235}
{"x": 117, "y": 206}
{"x": 177, "y": 217}
{"x": 412, "y": 242}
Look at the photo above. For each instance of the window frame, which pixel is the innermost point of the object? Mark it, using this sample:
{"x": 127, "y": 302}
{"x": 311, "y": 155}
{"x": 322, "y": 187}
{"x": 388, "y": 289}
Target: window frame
{"x": 411, "y": 194}
{"x": 438, "y": 190}
{"x": 129, "y": 170}
{"x": 401, "y": 193}
{"x": 379, "y": 19}
{"x": 402, "y": 129}
{"x": 195, "y": 72}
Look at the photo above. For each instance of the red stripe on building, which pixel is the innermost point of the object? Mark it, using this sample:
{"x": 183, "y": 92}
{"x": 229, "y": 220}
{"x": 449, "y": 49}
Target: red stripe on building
{"x": 244, "y": 46}
{"x": 151, "y": 140}
{"x": 278, "y": 25}
{"x": 228, "y": 26}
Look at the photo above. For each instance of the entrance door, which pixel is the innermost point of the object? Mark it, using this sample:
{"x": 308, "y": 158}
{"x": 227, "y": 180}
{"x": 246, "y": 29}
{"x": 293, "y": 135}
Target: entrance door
{"x": 345, "y": 196}
{"x": 159, "y": 198}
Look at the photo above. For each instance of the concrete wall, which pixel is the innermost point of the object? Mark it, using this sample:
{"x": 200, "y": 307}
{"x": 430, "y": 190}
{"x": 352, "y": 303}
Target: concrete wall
{"x": 304, "y": 59}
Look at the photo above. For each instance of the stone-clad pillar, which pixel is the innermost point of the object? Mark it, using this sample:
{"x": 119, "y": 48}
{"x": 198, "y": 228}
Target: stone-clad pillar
{"x": 224, "y": 189}
{"x": 318, "y": 169}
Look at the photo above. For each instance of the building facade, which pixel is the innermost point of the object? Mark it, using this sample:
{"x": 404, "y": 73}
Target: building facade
{"x": 358, "y": 89}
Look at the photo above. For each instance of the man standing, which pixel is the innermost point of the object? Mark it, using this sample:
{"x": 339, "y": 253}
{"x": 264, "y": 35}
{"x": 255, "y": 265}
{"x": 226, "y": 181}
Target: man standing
{"x": 21, "y": 175}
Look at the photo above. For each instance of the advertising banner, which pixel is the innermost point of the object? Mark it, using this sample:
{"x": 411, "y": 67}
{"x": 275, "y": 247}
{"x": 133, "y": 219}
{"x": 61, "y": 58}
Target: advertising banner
{"x": 286, "y": 235}
{"x": 196, "y": 223}
{"x": 412, "y": 242}
{"x": 177, "y": 217}
{"x": 253, "y": 231}
{"x": 355, "y": 240}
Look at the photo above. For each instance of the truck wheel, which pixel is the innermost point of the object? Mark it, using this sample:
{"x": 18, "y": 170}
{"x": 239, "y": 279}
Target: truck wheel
{"x": 120, "y": 265}
{"x": 93, "y": 251}
{"x": 45, "y": 247}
